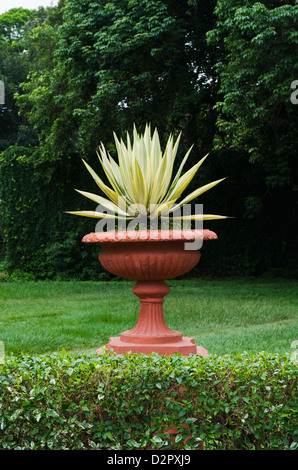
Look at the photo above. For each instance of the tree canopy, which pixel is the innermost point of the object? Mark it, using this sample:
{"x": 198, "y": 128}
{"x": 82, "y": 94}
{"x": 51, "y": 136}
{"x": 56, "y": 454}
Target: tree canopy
{"x": 255, "y": 111}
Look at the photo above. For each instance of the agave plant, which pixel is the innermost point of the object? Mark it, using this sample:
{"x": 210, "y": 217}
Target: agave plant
{"x": 142, "y": 181}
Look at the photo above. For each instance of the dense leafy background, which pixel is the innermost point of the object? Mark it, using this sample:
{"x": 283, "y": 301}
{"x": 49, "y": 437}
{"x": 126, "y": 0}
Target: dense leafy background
{"x": 220, "y": 72}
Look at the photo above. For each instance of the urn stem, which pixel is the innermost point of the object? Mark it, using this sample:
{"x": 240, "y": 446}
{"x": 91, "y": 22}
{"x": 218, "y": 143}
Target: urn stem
{"x": 151, "y": 327}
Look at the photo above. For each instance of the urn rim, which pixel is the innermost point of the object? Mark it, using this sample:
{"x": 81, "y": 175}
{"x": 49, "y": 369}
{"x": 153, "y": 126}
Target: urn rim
{"x": 149, "y": 236}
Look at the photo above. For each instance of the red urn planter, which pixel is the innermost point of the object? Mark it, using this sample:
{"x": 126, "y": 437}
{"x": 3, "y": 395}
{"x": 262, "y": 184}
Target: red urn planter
{"x": 150, "y": 258}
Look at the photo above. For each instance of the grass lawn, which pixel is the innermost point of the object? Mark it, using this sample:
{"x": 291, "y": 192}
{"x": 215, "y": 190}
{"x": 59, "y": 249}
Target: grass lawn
{"x": 224, "y": 316}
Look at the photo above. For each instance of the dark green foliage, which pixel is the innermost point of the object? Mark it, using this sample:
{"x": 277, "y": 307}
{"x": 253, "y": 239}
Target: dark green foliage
{"x": 118, "y": 63}
{"x": 220, "y": 72}
{"x": 14, "y": 67}
{"x": 257, "y": 124}
{"x": 41, "y": 242}
{"x": 12, "y": 23}
{"x": 128, "y": 402}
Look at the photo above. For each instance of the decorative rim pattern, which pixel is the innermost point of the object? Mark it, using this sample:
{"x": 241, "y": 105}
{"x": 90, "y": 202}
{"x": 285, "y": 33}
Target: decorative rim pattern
{"x": 149, "y": 235}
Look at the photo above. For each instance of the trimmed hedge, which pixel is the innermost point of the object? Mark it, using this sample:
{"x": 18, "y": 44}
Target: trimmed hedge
{"x": 110, "y": 401}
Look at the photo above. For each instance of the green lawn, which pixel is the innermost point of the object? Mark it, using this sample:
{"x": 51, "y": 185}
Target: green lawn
{"x": 224, "y": 316}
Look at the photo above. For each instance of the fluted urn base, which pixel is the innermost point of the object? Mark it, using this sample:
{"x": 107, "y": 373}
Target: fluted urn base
{"x": 151, "y": 333}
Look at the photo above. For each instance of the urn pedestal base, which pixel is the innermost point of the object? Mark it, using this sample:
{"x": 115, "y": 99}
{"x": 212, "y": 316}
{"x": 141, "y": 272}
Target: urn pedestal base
{"x": 185, "y": 347}
{"x": 151, "y": 333}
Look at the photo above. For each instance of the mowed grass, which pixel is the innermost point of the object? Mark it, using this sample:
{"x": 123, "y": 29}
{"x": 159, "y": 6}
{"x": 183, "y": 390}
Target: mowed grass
{"x": 224, "y": 316}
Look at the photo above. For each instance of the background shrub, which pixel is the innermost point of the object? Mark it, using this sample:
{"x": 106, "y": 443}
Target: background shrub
{"x": 128, "y": 402}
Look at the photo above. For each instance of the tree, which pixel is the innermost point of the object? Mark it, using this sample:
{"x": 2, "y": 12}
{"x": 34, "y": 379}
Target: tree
{"x": 12, "y": 24}
{"x": 256, "y": 113}
{"x": 119, "y": 63}
{"x": 33, "y": 193}
{"x": 99, "y": 67}
{"x": 256, "y": 118}
{"x": 14, "y": 67}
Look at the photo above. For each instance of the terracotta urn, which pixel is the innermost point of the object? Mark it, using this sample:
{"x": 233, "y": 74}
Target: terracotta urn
{"x": 150, "y": 257}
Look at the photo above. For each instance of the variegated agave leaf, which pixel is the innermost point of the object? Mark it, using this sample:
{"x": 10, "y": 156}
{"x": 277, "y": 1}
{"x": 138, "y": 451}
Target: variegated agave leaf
{"x": 142, "y": 181}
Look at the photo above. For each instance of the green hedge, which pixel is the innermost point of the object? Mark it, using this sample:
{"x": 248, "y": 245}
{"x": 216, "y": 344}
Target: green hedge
{"x": 127, "y": 402}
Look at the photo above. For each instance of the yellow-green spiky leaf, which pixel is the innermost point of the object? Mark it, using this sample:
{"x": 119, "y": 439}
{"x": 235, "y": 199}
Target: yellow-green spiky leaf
{"x": 141, "y": 181}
